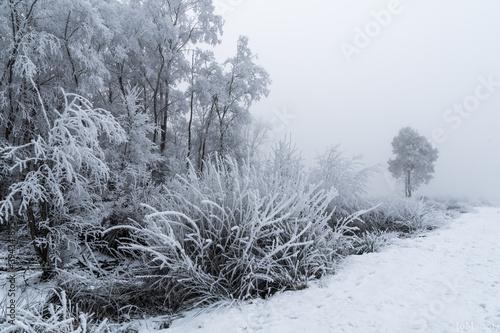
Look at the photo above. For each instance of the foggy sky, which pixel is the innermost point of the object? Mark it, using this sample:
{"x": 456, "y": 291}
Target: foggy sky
{"x": 426, "y": 68}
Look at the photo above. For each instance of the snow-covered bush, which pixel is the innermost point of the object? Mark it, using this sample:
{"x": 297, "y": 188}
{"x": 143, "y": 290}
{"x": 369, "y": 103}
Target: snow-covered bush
{"x": 347, "y": 175}
{"x": 376, "y": 219}
{"x": 460, "y": 205}
{"x": 54, "y": 313}
{"x": 451, "y": 206}
{"x": 108, "y": 290}
{"x": 231, "y": 233}
{"x": 372, "y": 241}
{"x": 284, "y": 167}
{"x": 411, "y": 215}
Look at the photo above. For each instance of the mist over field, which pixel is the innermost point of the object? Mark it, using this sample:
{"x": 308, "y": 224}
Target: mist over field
{"x": 341, "y": 77}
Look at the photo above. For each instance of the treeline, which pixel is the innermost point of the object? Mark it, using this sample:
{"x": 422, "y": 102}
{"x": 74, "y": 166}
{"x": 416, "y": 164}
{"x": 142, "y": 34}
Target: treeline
{"x": 150, "y": 63}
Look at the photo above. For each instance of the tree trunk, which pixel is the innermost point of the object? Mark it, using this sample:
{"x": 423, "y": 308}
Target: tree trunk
{"x": 163, "y": 129}
{"x": 190, "y": 124}
{"x": 203, "y": 139}
{"x": 191, "y": 108}
{"x": 203, "y": 144}
{"x": 221, "y": 143}
{"x": 408, "y": 184}
{"x": 42, "y": 251}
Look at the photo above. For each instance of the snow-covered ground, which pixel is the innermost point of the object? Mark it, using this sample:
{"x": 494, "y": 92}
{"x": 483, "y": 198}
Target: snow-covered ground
{"x": 445, "y": 281}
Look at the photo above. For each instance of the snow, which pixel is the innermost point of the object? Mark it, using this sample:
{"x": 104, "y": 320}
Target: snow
{"x": 447, "y": 280}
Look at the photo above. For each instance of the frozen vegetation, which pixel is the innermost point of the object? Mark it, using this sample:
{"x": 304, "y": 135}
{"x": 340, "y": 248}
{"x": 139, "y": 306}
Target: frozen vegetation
{"x": 447, "y": 280}
{"x": 233, "y": 236}
{"x": 134, "y": 193}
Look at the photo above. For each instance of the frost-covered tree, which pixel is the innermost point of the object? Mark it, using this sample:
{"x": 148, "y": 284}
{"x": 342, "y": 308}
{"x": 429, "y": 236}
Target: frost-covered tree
{"x": 133, "y": 162}
{"x": 61, "y": 172}
{"x": 204, "y": 80}
{"x": 97, "y": 48}
{"x": 219, "y": 98}
{"x": 168, "y": 30}
{"x": 414, "y": 163}
{"x": 244, "y": 83}
{"x": 133, "y": 157}
{"x": 24, "y": 48}
{"x": 46, "y": 45}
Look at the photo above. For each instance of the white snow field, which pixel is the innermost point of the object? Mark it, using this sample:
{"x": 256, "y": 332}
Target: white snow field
{"x": 447, "y": 280}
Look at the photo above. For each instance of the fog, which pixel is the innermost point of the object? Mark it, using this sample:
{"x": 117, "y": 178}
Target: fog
{"x": 354, "y": 73}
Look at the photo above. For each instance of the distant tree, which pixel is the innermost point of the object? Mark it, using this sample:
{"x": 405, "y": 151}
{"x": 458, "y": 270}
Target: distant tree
{"x": 415, "y": 159}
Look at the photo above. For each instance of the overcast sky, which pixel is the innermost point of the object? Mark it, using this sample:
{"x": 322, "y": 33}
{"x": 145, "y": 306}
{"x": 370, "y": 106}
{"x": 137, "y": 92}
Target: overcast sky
{"x": 431, "y": 65}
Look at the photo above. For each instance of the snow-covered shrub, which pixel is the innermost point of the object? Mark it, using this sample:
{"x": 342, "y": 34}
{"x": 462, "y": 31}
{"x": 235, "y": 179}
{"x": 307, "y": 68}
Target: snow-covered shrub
{"x": 54, "y": 313}
{"x": 232, "y": 233}
{"x": 372, "y": 241}
{"x": 347, "y": 175}
{"x": 451, "y": 206}
{"x": 284, "y": 167}
{"x": 436, "y": 204}
{"x": 412, "y": 215}
{"x": 460, "y": 205}
{"x": 376, "y": 219}
{"x": 108, "y": 291}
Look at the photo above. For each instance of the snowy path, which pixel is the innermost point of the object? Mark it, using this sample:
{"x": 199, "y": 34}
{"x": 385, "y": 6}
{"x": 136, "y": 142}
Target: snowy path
{"x": 448, "y": 281}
